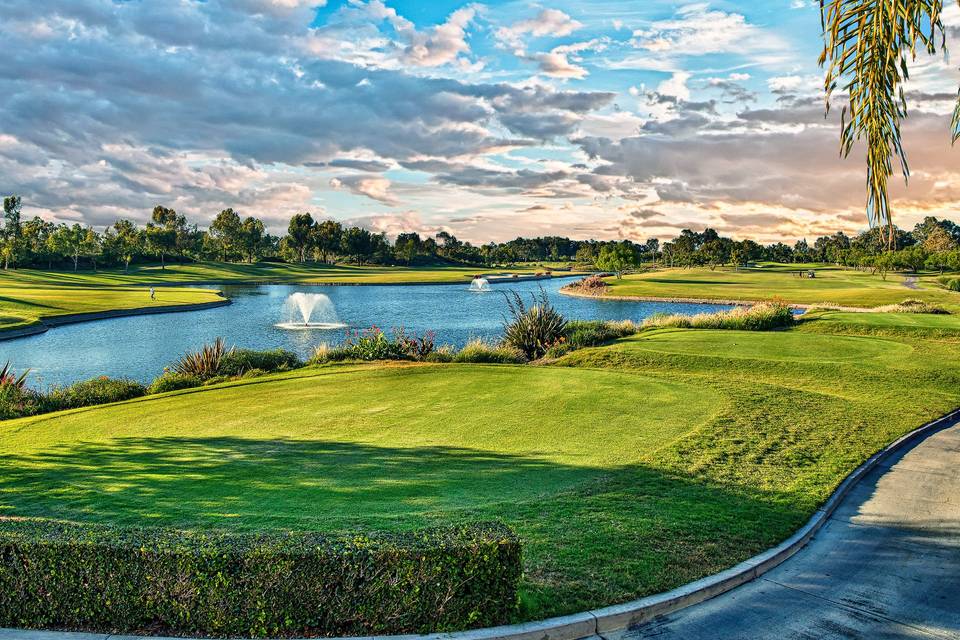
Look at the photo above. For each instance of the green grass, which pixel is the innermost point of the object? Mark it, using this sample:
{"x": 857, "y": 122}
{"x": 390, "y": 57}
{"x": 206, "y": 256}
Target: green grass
{"x": 627, "y": 469}
{"x": 27, "y": 303}
{"x": 28, "y": 295}
{"x": 836, "y": 286}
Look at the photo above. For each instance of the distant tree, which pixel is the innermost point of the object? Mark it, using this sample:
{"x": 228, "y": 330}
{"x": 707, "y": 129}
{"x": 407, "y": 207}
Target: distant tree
{"x": 10, "y": 240}
{"x": 226, "y": 232}
{"x": 36, "y": 239}
{"x": 161, "y": 241}
{"x": 357, "y": 243}
{"x": 939, "y": 239}
{"x": 253, "y": 238}
{"x": 327, "y": 238}
{"x": 407, "y": 247}
{"x": 300, "y": 235}
{"x": 68, "y": 241}
{"x": 126, "y": 241}
{"x": 617, "y": 258}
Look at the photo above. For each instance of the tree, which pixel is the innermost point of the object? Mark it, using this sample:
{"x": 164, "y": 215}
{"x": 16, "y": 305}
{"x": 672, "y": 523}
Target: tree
{"x": 252, "y": 238}
{"x": 326, "y": 238}
{"x": 300, "y": 235}
{"x": 226, "y": 231}
{"x": 938, "y": 239}
{"x": 125, "y": 240}
{"x": 617, "y": 257}
{"x": 407, "y": 247}
{"x": 11, "y": 238}
{"x": 36, "y": 240}
{"x": 68, "y": 241}
{"x": 161, "y": 241}
{"x": 357, "y": 243}
{"x": 868, "y": 44}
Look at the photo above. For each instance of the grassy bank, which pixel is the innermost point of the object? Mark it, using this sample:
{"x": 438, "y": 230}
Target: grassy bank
{"x": 26, "y": 303}
{"x": 626, "y": 469}
{"x": 832, "y": 285}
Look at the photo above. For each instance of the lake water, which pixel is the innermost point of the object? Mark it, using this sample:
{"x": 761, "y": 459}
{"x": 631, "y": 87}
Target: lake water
{"x": 140, "y": 346}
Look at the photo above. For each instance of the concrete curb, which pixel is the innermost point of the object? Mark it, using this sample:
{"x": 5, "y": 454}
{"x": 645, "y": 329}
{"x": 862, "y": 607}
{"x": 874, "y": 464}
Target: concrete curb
{"x": 598, "y": 622}
{"x": 73, "y": 318}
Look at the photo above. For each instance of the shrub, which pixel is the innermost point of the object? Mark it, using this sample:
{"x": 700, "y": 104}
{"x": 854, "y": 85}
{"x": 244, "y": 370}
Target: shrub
{"x": 478, "y": 351}
{"x": 951, "y": 283}
{"x": 112, "y": 580}
{"x": 441, "y": 354}
{"x": 763, "y": 316}
{"x": 10, "y": 379}
{"x": 589, "y": 333}
{"x": 170, "y": 381}
{"x": 592, "y": 285}
{"x": 532, "y": 330}
{"x": 203, "y": 363}
{"x": 16, "y": 399}
{"x": 912, "y": 305}
{"x": 414, "y": 346}
{"x": 19, "y": 401}
{"x": 237, "y": 362}
{"x": 373, "y": 344}
{"x": 94, "y": 391}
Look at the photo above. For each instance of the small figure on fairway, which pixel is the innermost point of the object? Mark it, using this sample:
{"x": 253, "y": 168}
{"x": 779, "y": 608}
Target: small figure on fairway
{"x": 153, "y": 294}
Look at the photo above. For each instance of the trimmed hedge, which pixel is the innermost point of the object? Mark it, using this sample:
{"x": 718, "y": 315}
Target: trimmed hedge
{"x": 91, "y": 577}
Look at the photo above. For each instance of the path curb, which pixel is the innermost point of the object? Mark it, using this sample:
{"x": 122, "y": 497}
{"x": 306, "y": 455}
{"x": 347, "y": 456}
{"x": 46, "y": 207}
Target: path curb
{"x": 599, "y": 622}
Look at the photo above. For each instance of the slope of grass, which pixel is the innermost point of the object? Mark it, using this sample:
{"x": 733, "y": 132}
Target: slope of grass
{"x": 843, "y": 287}
{"x": 627, "y": 469}
{"x": 26, "y": 303}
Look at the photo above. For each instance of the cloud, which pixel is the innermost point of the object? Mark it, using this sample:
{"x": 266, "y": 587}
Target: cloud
{"x": 374, "y": 187}
{"x": 548, "y": 22}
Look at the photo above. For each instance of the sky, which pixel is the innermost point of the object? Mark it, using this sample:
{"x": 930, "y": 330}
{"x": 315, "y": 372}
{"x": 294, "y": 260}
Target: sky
{"x": 490, "y": 120}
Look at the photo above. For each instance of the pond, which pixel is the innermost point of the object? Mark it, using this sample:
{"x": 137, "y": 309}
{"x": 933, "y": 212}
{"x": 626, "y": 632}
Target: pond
{"x": 140, "y": 346}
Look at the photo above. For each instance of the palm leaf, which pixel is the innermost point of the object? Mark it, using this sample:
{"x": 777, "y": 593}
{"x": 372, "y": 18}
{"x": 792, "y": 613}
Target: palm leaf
{"x": 869, "y": 44}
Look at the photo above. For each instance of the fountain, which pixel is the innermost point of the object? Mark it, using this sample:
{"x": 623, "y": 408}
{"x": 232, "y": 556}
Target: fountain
{"x": 310, "y": 311}
{"x": 480, "y": 285}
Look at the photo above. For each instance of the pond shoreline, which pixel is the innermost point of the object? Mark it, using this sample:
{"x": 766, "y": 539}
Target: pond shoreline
{"x": 45, "y": 324}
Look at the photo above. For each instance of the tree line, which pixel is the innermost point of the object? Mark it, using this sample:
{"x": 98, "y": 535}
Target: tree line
{"x": 231, "y": 237}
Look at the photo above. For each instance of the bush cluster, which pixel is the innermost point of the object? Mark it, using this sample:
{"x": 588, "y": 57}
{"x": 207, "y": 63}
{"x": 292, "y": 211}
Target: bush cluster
{"x": 533, "y": 329}
{"x": 99, "y": 390}
{"x": 211, "y": 364}
{"x": 17, "y": 400}
{"x": 591, "y": 285}
{"x": 374, "y": 344}
{"x": 113, "y": 580}
{"x": 951, "y": 283}
{"x": 590, "y": 333}
{"x": 913, "y": 305}
{"x": 763, "y": 316}
{"x": 481, "y": 352}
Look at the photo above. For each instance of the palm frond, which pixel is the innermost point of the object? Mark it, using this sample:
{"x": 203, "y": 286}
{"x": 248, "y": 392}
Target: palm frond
{"x": 869, "y": 44}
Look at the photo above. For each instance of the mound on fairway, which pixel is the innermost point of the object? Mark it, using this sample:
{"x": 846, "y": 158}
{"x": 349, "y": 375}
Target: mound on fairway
{"x": 778, "y": 346}
{"x": 347, "y": 447}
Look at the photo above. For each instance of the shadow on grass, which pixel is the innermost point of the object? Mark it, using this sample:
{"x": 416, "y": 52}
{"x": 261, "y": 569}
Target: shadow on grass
{"x": 591, "y": 535}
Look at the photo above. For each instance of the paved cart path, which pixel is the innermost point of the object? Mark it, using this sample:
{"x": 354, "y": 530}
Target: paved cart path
{"x": 886, "y": 565}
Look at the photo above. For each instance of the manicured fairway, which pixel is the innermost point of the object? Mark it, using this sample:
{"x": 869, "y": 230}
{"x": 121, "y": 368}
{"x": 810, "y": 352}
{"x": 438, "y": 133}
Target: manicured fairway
{"x": 626, "y": 469}
{"x": 833, "y": 285}
{"x": 339, "y": 447}
{"x": 23, "y": 304}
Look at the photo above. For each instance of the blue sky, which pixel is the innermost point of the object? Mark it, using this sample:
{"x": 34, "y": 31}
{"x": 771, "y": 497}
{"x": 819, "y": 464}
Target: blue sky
{"x": 597, "y": 118}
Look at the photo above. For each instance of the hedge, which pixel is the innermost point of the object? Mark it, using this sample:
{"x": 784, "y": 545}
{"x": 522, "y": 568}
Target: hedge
{"x": 108, "y": 580}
